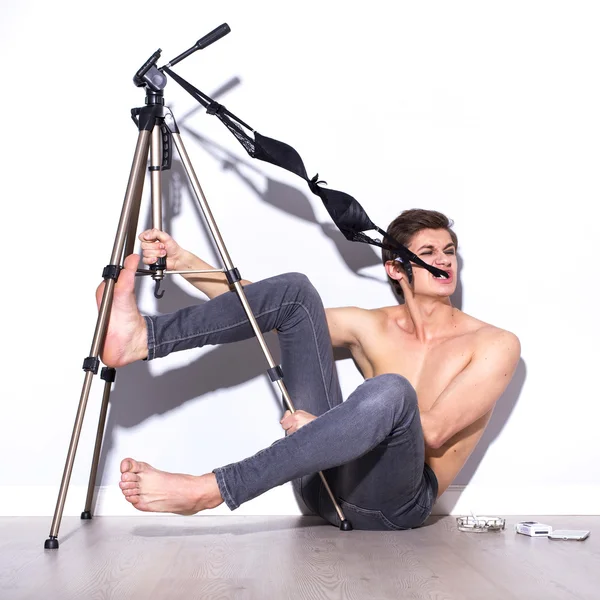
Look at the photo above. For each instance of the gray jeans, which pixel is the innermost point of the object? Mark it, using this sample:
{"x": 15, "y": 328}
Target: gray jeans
{"x": 370, "y": 446}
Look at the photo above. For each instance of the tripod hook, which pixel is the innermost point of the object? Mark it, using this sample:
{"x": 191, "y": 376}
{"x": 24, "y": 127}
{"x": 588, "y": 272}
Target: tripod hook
{"x": 156, "y": 288}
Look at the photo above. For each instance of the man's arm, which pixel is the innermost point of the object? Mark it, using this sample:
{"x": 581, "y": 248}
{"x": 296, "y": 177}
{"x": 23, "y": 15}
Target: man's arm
{"x": 211, "y": 284}
{"x": 473, "y": 392}
{"x": 344, "y": 325}
{"x": 342, "y": 322}
{"x": 157, "y": 243}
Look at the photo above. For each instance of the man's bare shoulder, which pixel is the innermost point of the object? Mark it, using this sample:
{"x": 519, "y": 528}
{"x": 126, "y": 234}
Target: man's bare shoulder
{"x": 489, "y": 337}
{"x": 347, "y": 322}
{"x": 482, "y": 329}
{"x": 358, "y": 313}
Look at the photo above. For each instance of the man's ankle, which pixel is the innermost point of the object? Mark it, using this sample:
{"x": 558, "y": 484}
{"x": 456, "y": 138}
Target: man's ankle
{"x": 210, "y": 494}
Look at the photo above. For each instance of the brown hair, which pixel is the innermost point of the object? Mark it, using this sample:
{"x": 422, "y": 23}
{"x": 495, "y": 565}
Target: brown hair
{"x": 407, "y": 224}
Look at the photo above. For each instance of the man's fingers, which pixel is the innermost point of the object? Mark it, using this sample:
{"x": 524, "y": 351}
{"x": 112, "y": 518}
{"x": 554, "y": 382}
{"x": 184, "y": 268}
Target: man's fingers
{"x": 151, "y": 235}
{"x": 150, "y": 252}
{"x": 153, "y": 250}
{"x": 286, "y": 420}
{"x": 149, "y": 260}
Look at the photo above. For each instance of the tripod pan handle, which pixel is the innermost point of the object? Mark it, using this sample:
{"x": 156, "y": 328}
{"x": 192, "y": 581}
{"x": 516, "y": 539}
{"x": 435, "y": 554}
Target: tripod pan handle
{"x": 212, "y": 37}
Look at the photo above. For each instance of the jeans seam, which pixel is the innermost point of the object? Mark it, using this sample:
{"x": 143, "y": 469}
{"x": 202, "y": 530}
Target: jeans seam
{"x": 219, "y": 329}
{"x": 312, "y": 325}
{"x": 373, "y": 512}
{"x": 405, "y": 428}
{"x": 225, "y": 493}
{"x": 429, "y": 493}
{"x": 152, "y": 339}
{"x": 295, "y": 302}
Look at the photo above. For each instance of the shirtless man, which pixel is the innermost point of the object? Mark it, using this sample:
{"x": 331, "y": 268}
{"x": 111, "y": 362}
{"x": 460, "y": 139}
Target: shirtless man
{"x": 432, "y": 377}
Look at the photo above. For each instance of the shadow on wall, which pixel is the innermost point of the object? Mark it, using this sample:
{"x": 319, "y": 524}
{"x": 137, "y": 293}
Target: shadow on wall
{"x": 502, "y": 411}
{"x": 138, "y": 395}
{"x": 290, "y": 201}
{"x": 279, "y": 195}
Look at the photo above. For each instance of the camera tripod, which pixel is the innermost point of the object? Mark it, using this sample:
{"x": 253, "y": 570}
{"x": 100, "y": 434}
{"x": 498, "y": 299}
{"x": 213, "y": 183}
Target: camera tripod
{"x": 157, "y": 132}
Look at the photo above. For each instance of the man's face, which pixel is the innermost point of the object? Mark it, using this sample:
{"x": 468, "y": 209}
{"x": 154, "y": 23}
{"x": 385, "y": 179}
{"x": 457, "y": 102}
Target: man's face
{"x": 435, "y": 247}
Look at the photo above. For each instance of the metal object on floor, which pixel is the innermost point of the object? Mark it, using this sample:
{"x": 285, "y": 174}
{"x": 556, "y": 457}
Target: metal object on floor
{"x": 157, "y": 130}
{"x": 475, "y": 524}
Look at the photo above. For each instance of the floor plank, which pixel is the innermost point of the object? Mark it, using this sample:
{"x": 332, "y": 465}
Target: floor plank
{"x": 247, "y": 558}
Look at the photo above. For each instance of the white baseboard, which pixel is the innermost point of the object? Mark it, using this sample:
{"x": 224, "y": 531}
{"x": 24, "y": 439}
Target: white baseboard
{"x": 501, "y": 501}
{"x": 28, "y": 501}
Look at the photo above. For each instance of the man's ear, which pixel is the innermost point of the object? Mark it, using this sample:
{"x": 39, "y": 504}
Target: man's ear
{"x": 395, "y": 270}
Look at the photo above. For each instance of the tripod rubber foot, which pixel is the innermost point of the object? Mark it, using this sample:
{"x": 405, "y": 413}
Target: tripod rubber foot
{"x": 345, "y": 525}
{"x": 51, "y": 543}
{"x": 86, "y": 515}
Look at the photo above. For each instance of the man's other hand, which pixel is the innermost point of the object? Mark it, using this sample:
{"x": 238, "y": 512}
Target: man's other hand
{"x": 293, "y": 421}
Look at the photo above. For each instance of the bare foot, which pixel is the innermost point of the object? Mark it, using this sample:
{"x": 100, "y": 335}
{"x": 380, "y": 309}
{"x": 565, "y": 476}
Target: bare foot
{"x": 151, "y": 490}
{"x": 126, "y": 338}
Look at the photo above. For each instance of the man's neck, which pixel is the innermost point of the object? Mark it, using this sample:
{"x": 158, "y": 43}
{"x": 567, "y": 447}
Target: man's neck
{"x": 428, "y": 317}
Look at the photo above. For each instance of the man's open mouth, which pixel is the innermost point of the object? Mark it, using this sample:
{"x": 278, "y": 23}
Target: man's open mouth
{"x": 442, "y": 278}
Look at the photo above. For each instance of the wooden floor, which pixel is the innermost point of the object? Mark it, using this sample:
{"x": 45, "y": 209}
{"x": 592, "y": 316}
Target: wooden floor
{"x": 263, "y": 558}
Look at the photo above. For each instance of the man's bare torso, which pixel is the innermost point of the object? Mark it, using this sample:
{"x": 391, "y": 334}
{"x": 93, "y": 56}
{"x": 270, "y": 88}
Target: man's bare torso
{"x": 386, "y": 346}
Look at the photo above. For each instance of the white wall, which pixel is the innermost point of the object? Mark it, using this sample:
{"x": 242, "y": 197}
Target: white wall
{"x": 485, "y": 111}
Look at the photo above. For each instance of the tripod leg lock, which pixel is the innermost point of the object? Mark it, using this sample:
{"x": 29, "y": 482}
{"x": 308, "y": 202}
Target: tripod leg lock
{"x": 108, "y": 374}
{"x": 233, "y": 276}
{"x": 111, "y": 272}
{"x": 276, "y": 373}
{"x": 91, "y": 363}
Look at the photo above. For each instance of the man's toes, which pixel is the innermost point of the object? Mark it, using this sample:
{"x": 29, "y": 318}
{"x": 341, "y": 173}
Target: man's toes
{"x": 133, "y": 499}
{"x": 130, "y": 477}
{"x": 131, "y": 492}
{"x": 126, "y": 278}
{"x": 128, "y": 485}
{"x": 130, "y": 465}
{"x": 131, "y": 262}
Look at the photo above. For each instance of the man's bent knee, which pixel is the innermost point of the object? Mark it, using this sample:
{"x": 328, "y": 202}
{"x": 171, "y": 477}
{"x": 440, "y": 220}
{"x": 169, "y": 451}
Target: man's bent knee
{"x": 394, "y": 395}
{"x": 298, "y": 283}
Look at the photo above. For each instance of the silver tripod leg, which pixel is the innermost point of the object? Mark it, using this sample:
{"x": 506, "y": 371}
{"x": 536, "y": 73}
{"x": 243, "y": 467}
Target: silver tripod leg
{"x": 130, "y": 207}
{"x": 229, "y": 268}
{"x": 108, "y": 373}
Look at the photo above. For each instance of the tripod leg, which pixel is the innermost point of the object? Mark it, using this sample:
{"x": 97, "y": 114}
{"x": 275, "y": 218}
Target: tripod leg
{"x": 156, "y": 160}
{"x": 108, "y": 374}
{"x": 91, "y": 363}
{"x": 131, "y": 204}
{"x": 155, "y": 177}
{"x": 234, "y": 278}
{"x": 133, "y": 220}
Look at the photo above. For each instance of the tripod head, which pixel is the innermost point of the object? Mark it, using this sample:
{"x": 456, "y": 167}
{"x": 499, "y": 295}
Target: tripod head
{"x": 149, "y": 76}
{"x": 153, "y": 78}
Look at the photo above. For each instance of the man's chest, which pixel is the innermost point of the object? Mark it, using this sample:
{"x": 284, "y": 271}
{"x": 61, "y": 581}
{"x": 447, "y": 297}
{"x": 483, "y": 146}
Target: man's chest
{"x": 430, "y": 368}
